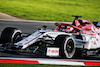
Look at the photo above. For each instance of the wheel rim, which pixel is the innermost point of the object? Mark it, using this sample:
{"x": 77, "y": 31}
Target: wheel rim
{"x": 17, "y": 37}
{"x": 69, "y": 47}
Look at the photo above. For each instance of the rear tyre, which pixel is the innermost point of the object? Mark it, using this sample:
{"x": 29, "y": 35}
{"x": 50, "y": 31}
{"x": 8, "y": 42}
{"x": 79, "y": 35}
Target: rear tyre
{"x": 67, "y": 46}
{"x": 10, "y": 34}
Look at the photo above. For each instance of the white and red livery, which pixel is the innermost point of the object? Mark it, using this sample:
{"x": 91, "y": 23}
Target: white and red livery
{"x": 81, "y": 38}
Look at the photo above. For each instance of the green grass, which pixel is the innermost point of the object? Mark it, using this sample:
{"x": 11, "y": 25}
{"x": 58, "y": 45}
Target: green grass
{"x": 32, "y": 65}
{"x": 36, "y": 65}
{"x": 52, "y": 10}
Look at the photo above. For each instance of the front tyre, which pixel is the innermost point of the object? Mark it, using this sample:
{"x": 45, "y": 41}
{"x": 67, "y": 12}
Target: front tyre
{"x": 10, "y": 34}
{"x": 67, "y": 46}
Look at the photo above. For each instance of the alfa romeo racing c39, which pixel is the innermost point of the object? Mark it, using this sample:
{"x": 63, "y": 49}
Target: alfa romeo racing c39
{"x": 81, "y": 38}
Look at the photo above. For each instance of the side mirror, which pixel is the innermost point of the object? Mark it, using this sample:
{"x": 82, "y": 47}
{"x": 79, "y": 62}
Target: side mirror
{"x": 44, "y": 27}
{"x": 57, "y": 24}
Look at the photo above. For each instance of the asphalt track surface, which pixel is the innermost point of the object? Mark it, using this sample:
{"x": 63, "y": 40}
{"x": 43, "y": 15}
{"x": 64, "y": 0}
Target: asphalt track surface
{"x": 30, "y": 27}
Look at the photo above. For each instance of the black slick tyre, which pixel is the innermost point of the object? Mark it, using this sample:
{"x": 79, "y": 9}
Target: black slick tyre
{"x": 67, "y": 46}
{"x": 10, "y": 34}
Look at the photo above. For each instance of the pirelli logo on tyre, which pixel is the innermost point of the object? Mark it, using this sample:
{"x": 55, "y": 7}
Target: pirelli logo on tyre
{"x": 52, "y": 51}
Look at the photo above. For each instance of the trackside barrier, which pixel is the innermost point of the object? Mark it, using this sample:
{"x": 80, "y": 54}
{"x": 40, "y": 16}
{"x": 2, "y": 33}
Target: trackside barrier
{"x": 49, "y": 61}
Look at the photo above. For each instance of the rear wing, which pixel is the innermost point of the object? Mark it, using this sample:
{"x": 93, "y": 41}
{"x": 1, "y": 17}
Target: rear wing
{"x": 96, "y": 23}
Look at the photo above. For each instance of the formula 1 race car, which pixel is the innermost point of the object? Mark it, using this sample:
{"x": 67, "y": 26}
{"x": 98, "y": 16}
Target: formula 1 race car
{"x": 81, "y": 38}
